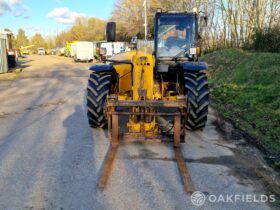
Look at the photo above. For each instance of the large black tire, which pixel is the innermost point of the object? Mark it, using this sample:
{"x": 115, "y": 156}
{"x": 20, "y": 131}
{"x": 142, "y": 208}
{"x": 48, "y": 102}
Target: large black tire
{"x": 197, "y": 94}
{"x": 97, "y": 91}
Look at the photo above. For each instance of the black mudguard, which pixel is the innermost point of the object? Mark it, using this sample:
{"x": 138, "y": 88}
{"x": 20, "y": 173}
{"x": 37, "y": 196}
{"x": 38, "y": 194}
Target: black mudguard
{"x": 102, "y": 68}
{"x": 194, "y": 66}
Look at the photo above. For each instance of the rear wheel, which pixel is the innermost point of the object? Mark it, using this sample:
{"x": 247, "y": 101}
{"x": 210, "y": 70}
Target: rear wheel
{"x": 97, "y": 91}
{"x": 197, "y": 94}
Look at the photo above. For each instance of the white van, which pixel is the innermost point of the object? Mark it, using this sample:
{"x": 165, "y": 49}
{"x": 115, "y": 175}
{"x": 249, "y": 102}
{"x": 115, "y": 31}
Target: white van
{"x": 41, "y": 51}
{"x": 83, "y": 51}
{"x": 113, "y": 48}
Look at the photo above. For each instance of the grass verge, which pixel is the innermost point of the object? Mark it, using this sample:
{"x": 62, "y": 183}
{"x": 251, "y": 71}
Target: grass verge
{"x": 245, "y": 88}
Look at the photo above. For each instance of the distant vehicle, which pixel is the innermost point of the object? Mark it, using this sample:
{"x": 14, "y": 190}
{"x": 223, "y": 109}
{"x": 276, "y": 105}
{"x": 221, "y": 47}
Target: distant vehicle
{"x": 61, "y": 51}
{"x": 48, "y": 51}
{"x": 9, "y": 48}
{"x": 26, "y": 50}
{"x": 96, "y": 50}
{"x": 113, "y": 48}
{"x": 83, "y": 51}
{"x": 69, "y": 48}
{"x": 41, "y": 51}
{"x": 53, "y": 51}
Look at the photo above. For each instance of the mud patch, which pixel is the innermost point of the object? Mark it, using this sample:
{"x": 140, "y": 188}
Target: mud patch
{"x": 252, "y": 160}
{"x": 7, "y": 96}
{"x": 6, "y": 114}
{"x": 232, "y": 133}
{"x": 145, "y": 152}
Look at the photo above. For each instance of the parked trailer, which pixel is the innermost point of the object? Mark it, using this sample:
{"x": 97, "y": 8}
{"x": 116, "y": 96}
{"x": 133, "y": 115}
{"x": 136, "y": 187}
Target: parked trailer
{"x": 83, "y": 51}
{"x": 72, "y": 51}
{"x": 96, "y": 49}
{"x": 9, "y": 48}
{"x": 3, "y": 56}
{"x": 113, "y": 48}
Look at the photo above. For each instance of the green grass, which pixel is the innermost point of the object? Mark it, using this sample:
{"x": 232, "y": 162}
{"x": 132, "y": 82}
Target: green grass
{"x": 245, "y": 88}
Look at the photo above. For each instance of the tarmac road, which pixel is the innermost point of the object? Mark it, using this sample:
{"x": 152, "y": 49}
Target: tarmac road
{"x": 51, "y": 159}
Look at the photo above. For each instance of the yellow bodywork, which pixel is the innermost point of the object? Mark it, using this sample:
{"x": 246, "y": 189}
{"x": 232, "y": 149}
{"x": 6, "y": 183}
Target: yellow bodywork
{"x": 27, "y": 49}
{"x": 138, "y": 85}
{"x": 68, "y": 46}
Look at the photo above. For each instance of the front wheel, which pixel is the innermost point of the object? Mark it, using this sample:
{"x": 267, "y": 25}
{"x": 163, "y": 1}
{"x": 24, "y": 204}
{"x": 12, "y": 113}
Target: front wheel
{"x": 197, "y": 94}
{"x": 97, "y": 91}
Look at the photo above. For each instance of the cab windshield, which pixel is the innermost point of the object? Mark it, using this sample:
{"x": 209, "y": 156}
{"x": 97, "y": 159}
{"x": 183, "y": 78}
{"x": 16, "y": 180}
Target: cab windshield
{"x": 175, "y": 34}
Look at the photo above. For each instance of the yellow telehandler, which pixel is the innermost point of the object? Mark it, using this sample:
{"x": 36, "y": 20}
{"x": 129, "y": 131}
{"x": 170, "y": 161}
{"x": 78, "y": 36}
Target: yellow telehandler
{"x": 151, "y": 87}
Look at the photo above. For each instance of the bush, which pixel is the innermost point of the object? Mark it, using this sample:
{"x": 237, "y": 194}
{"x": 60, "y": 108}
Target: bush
{"x": 267, "y": 41}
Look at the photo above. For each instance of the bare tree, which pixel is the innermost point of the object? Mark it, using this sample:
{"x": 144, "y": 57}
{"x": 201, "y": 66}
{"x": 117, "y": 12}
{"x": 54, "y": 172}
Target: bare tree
{"x": 232, "y": 23}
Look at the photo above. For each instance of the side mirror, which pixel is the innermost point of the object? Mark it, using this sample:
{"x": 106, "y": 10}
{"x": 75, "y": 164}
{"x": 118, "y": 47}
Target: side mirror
{"x": 203, "y": 21}
{"x": 111, "y": 32}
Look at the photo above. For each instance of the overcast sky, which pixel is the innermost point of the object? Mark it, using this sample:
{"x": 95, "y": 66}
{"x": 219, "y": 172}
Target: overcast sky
{"x": 49, "y": 17}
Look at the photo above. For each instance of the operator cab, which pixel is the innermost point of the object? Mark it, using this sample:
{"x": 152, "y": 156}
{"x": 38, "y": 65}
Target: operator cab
{"x": 176, "y": 36}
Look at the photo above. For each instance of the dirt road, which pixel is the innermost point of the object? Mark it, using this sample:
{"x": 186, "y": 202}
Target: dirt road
{"x": 51, "y": 159}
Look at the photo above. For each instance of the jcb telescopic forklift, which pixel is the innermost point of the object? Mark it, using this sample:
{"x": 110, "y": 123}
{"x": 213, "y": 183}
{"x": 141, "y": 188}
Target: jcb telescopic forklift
{"x": 145, "y": 86}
